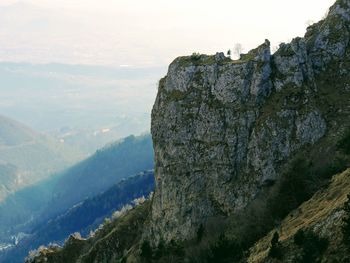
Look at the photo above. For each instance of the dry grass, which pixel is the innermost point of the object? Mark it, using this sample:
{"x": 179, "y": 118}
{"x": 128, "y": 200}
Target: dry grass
{"x": 311, "y": 212}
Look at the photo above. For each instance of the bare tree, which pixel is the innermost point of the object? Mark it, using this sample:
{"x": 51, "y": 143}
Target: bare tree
{"x": 309, "y": 22}
{"x": 237, "y": 49}
{"x": 325, "y": 15}
{"x": 274, "y": 49}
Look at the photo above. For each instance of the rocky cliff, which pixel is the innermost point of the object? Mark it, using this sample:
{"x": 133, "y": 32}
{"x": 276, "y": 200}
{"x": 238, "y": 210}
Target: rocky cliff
{"x": 222, "y": 129}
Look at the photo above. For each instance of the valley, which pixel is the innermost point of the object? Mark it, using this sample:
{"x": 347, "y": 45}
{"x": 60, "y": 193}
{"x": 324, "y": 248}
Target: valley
{"x": 34, "y": 196}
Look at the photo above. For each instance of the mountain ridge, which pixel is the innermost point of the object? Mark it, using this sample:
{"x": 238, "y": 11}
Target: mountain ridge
{"x": 84, "y": 217}
{"x": 83, "y": 180}
{"x": 29, "y": 156}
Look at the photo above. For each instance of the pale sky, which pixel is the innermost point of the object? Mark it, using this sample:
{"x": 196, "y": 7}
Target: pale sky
{"x": 145, "y": 33}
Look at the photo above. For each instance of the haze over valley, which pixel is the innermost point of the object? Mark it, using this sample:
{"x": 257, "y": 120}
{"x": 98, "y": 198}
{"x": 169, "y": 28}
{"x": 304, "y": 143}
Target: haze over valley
{"x": 174, "y": 131}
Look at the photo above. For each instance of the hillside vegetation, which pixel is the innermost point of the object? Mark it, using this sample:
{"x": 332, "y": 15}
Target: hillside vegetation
{"x": 322, "y": 217}
{"x": 36, "y": 204}
{"x": 107, "y": 245}
{"x": 84, "y": 217}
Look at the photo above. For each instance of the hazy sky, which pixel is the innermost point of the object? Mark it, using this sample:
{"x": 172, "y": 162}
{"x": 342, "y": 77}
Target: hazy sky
{"x": 145, "y": 32}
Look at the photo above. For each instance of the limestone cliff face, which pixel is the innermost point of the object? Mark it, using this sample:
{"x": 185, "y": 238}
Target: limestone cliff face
{"x": 222, "y": 129}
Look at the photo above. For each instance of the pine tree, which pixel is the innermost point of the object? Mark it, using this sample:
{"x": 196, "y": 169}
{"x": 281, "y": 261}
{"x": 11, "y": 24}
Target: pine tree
{"x": 200, "y": 233}
{"x": 275, "y": 250}
{"x": 146, "y": 251}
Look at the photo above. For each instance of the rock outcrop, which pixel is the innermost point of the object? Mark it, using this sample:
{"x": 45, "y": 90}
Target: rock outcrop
{"x": 109, "y": 244}
{"x": 222, "y": 129}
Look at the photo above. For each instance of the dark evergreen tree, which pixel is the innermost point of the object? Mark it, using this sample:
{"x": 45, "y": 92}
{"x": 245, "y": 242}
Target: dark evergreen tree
{"x": 200, "y": 233}
{"x": 225, "y": 250}
{"x": 311, "y": 244}
{"x": 146, "y": 251}
{"x": 344, "y": 143}
{"x": 275, "y": 249}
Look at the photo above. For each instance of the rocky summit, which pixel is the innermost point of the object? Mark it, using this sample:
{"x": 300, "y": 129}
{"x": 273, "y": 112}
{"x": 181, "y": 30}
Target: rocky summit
{"x": 243, "y": 150}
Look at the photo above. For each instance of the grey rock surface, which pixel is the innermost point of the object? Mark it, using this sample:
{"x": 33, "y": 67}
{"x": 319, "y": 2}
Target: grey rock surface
{"x": 222, "y": 128}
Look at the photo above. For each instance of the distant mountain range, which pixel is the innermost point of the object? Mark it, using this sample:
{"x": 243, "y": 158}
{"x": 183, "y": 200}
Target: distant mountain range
{"x": 27, "y": 156}
{"x": 46, "y": 192}
{"x": 29, "y": 206}
{"x": 60, "y": 97}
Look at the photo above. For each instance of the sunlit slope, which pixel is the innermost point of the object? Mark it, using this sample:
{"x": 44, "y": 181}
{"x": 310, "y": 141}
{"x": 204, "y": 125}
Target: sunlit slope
{"x": 322, "y": 214}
